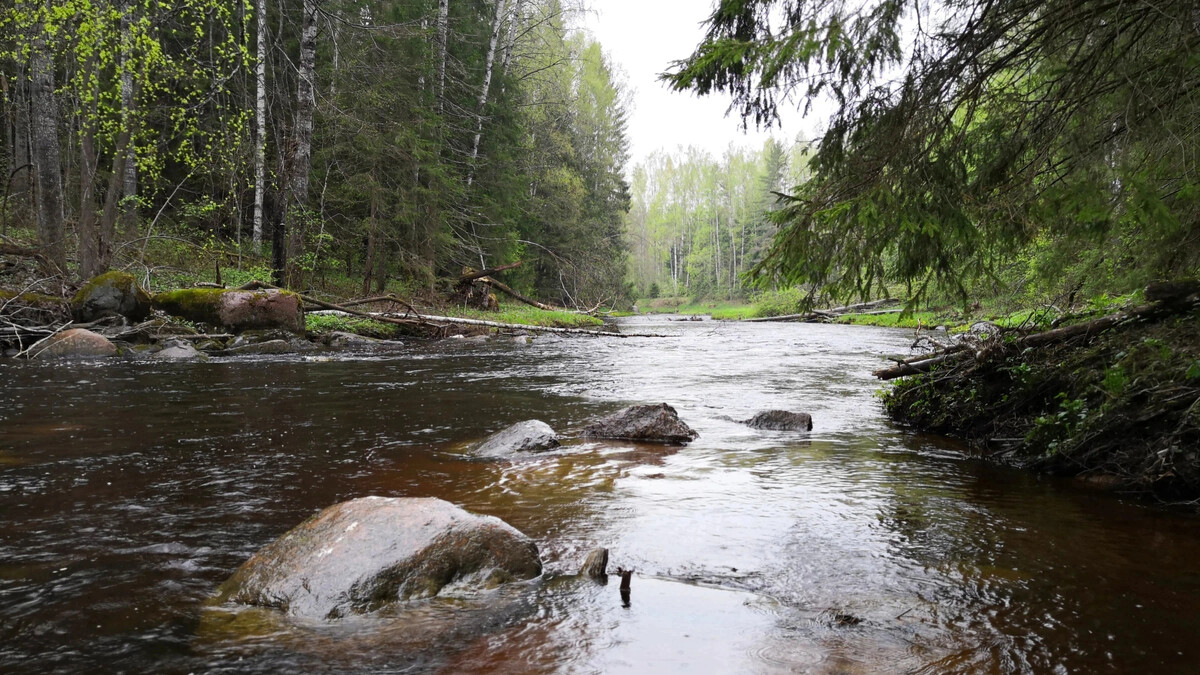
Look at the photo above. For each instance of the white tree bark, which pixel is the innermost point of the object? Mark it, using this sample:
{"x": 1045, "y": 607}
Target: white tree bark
{"x": 497, "y": 28}
{"x": 260, "y": 130}
{"x": 443, "y": 37}
{"x": 129, "y": 179}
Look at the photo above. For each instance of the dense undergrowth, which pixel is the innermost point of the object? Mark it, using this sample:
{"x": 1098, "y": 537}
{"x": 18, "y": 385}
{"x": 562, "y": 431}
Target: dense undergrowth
{"x": 1124, "y": 406}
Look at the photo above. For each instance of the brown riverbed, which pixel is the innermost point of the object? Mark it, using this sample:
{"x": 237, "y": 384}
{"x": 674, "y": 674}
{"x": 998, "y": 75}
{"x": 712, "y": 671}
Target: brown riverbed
{"x": 129, "y": 491}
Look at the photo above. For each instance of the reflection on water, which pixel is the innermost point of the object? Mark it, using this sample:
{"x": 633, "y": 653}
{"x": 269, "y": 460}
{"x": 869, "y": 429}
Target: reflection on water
{"x": 129, "y": 491}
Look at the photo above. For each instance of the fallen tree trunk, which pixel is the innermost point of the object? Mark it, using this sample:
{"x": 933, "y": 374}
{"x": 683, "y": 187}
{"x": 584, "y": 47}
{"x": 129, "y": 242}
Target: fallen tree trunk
{"x": 439, "y": 321}
{"x": 829, "y": 313}
{"x": 503, "y": 288}
{"x": 472, "y": 276}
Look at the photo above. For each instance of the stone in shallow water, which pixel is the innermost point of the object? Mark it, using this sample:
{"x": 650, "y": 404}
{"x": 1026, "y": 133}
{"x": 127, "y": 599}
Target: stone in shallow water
{"x": 75, "y": 343}
{"x": 177, "y": 350}
{"x": 646, "y": 423}
{"x": 363, "y": 555}
{"x": 780, "y": 420}
{"x": 527, "y": 436}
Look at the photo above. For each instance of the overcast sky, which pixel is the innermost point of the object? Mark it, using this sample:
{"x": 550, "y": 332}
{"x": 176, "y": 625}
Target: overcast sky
{"x": 643, "y": 37}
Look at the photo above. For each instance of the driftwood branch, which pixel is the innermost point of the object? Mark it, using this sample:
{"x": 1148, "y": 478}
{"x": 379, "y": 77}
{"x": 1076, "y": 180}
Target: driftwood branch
{"x": 1087, "y": 329}
{"x": 503, "y": 288}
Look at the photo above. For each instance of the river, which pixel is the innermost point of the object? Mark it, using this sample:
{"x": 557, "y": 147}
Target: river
{"x": 130, "y": 490}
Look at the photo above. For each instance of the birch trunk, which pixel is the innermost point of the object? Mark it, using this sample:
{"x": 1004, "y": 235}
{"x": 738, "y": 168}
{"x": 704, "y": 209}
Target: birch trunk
{"x": 497, "y": 28}
{"x": 443, "y": 40}
{"x": 129, "y": 174}
{"x": 45, "y": 154}
{"x": 260, "y": 119}
{"x": 511, "y": 40}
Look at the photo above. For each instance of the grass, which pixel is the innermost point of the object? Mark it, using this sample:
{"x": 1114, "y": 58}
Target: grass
{"x": 527, "y": 316}
{"x": 895, "y": 320}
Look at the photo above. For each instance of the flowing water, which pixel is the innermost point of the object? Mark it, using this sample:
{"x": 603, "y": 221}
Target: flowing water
{"x": 129, "y": 491}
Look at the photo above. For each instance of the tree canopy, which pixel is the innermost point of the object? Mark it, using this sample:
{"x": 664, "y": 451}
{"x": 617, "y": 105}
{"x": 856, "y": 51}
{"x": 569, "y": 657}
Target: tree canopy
{"x": 968, "y": 131}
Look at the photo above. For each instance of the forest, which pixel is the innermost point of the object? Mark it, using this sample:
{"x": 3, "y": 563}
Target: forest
{"x": 698, "y": 224}
{"x": 316, "y": 142}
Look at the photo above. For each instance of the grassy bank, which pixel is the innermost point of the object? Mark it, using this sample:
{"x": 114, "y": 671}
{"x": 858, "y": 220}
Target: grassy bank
{"x": 719, "y": 309}
{"x": 1121, "y": 407}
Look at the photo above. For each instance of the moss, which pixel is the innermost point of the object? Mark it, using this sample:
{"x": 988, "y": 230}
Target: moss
{"x": 194, "y": 304}
{"x": 31, "y": 299}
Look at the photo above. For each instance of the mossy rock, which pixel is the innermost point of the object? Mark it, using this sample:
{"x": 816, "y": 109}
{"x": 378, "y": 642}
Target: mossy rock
{"x": 235, "y": 310}
{"x": 111, "y": 293}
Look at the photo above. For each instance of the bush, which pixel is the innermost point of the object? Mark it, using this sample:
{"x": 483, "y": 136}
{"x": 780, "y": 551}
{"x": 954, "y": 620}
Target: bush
{"x": 778, "y": 303}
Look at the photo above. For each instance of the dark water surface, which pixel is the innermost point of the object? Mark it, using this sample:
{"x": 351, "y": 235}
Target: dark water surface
{"x": 129, "y": 491}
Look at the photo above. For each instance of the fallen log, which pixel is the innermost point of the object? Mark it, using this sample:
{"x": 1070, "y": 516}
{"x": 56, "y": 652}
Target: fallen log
{"x": 918, "y": 367}
{"x": 829, "y": 313}
{"x": 441, "y": 321}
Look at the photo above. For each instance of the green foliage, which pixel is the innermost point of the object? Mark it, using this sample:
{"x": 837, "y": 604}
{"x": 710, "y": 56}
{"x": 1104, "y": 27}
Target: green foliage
{"x": 779, "y": 303}
{"x": 400, "y": 191}
{"x": 1019, "y": 146}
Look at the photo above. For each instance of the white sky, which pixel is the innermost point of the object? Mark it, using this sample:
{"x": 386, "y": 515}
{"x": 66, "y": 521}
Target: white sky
{"x": 643, "y": 37}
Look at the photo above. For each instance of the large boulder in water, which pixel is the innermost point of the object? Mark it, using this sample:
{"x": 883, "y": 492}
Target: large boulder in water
{"x": 780, "y": 420}
{"x": 362, "y": 555}
{"x": 644, "y": 423}
{"x": 528, "y": 436}
{"x": 111, "y": 293}
{"x": 75, "y": 343}
{"x": 235, "y": 310}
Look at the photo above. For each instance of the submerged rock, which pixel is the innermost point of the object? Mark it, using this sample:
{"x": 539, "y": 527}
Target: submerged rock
{"x": 177, "y": 350}
{"x": 780, "y": 420}
{"x": 111, "y": 293}
{"x": 363, "y": 555}
{"x": 646, "y": 423}
{"x": 75, "y": 343}
{"x": 528, "y": 436}
{"x": 235, "y": 310}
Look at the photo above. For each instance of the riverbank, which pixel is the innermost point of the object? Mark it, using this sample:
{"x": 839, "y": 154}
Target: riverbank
{"x": 1118, "y": 405}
